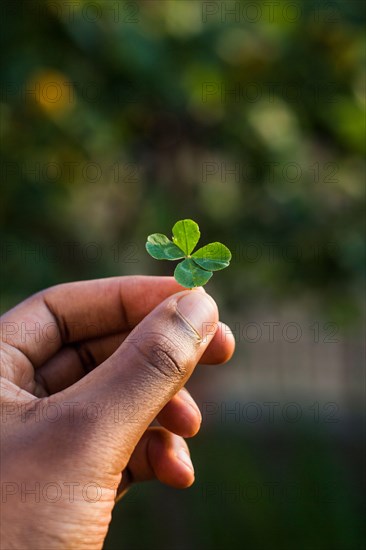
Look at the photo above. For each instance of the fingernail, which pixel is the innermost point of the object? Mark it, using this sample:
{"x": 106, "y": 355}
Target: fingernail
{"x": 184, "y": 457}
{"x": 200, "y": 311}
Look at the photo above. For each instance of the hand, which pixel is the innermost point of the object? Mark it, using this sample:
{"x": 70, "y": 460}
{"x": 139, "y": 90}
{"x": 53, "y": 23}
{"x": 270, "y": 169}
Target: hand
{"x": 86, "y": 368}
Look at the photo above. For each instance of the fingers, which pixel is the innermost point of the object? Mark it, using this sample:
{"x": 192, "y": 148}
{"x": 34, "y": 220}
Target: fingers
{"x": 159, "y": 455}
{"x": 150, "y": 366}
{"x": 181, "y": 415}
{"x": 82, "y": 310}
{"x": 221, "y": 348}
{"x": 74, "y": 361}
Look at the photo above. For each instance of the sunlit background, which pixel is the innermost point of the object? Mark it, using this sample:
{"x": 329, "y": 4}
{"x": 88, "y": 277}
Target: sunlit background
{"x": 119, "y": 118}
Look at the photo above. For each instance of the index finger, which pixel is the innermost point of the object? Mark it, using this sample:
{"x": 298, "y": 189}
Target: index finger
{"x": 42, "y": 324}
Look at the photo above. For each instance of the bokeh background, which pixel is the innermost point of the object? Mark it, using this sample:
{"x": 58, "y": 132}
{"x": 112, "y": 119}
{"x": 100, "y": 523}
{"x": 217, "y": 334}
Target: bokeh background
{"x": 119, "y": 118}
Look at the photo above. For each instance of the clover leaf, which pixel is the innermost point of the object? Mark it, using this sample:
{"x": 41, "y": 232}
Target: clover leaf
{"x": 189, "y": 274}
{"x": 196, "y": 269}
{"x": 186, "y": 235}
{"x": 161, "y": 248}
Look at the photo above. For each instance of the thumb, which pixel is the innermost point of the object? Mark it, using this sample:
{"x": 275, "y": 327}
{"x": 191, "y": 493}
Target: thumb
{"x": 151, "y": 365}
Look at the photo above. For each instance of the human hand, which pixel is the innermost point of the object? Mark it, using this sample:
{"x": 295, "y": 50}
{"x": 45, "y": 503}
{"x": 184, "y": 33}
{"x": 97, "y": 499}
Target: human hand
{"x": 86, "y": 368}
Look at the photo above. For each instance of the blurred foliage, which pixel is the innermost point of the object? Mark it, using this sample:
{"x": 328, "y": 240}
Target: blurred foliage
{"x": 272, "y": 493}
{"x": 118, "y": 122}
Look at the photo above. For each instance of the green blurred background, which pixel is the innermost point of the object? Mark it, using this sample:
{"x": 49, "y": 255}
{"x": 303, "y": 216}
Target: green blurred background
{"x": 119, "y": 118}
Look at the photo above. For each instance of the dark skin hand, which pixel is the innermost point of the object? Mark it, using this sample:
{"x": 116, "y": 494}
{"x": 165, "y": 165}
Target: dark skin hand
{"x": 86, "y": 368}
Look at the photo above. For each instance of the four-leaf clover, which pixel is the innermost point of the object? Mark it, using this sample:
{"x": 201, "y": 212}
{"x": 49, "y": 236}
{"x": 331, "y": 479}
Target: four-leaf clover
{"x": 197, "y": 267}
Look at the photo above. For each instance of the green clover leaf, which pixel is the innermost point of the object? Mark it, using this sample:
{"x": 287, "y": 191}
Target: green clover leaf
{"x": 189, "y": 274}
{"x": 186, "y": 235}
{"x": 161, "y": 248}
{"x": 213, "y": 256}
{"x": 196, "y": 269}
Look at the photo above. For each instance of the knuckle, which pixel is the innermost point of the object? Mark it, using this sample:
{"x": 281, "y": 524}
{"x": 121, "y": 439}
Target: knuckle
{"x": 165, "y": 359}
{"x": 85, "y": 356}
{"x": 163, "y": 355}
